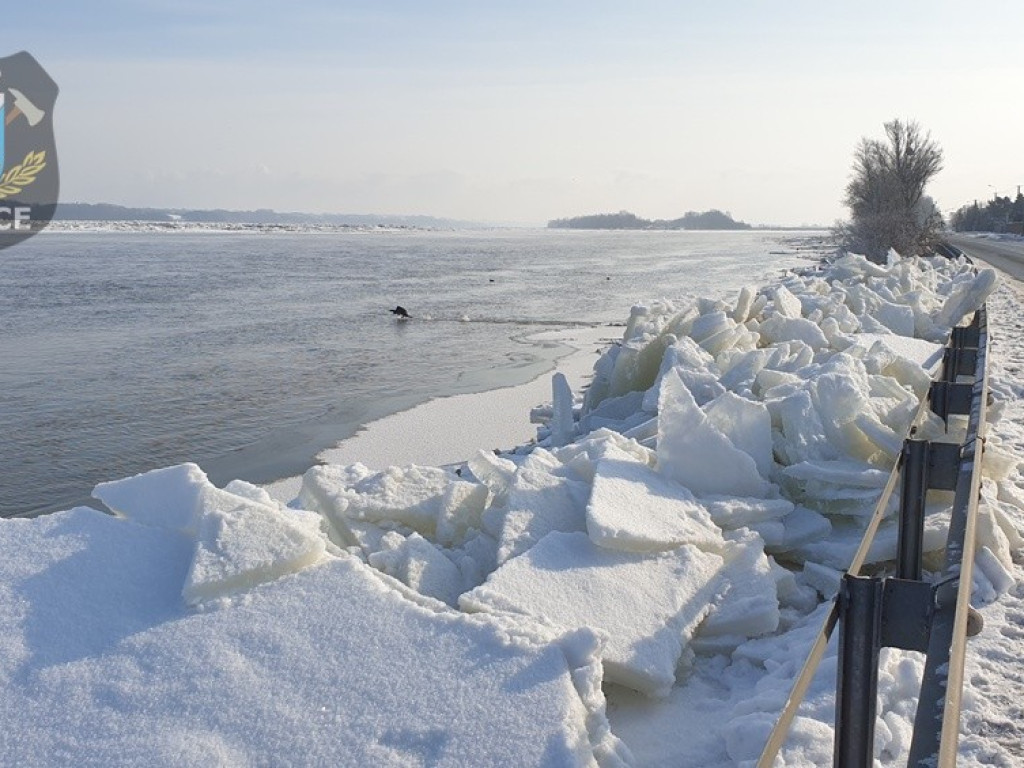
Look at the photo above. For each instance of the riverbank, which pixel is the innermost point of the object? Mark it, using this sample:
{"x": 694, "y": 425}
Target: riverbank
{"x": 449, "y": 430}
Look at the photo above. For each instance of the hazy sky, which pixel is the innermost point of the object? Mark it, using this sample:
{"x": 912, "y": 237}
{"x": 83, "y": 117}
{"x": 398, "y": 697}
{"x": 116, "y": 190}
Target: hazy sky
{"x": 520, "y": 111}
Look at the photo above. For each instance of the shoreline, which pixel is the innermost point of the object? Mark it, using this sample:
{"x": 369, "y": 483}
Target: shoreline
{"x": 449, "y": 429}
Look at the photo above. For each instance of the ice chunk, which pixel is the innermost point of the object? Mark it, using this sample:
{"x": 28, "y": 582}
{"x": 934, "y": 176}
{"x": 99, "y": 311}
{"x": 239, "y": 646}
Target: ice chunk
{"x": 748, "y": 605}
{"x": 778, "y": 328}
{"x": 747, "y": 424}
{"x": 967, "y": 297}
{"x": 744, "y": 303}
{"x": 693, "y": 452}
{"x": 419, "y": 564}
{"x": 323, "y": 486}
{"x": 742, "y": 368}
{"x": 165, "y": 498}
{"x": 633, "y": 508}
{"x": 647, "y": 605}
{"x": 408, "y": 495}
{"x": 251, "y": 492}
{"x": 994, "y": 571}
{"x": 800, "y": 527}
{"x": 843, "y": 473}
{"x": 538, "y": 504}
{"x": 561, "y": 425}
{"x": 786, "y": 304}
{"x": 242, "y": 543}
{"x": 615, "y": 412}
{"x": 461, "y": 507}
{"x": 824, "y": 579}
{"x": 897, "y": 318}
{"x": 494, "y": 472}
{"x": 694, "y": 367}
{"x": 735, "y": 512}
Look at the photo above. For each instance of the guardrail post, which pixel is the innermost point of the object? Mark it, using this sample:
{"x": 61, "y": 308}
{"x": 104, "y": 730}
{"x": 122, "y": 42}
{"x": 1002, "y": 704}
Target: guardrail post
{"x": 913, "y": 490}
{"x": 860, "y": 618}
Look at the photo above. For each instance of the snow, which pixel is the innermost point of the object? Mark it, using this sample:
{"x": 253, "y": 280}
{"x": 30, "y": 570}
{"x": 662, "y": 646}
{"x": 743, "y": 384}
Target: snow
{"x": 110, "y": 659}
{"x": 637, "y": 585}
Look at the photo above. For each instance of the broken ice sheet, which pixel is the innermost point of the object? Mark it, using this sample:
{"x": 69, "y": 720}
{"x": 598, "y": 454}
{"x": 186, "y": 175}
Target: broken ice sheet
{"x": 242, "y": 543}
{"x": 648, "y": 605}
{"x": 694, "y": 452}
{"x": 164, "y": 498}
{"x": 633, "y": 508}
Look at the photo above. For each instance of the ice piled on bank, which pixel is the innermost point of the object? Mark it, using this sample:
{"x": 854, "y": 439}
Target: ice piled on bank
{"x": 643, "y": 536}
{"x": 333, "y": 665}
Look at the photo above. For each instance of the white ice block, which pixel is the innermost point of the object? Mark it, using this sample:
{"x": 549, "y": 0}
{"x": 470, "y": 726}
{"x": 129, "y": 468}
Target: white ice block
{"x": 562, "y": 425}
{"x": 419, "y": 564}
{"x": 747, "y": 424}
{"x": 539, "y": 503}
{"x": 165, "y": 498}
{"x": 736, "y": 512}
{"x": 408, "y": 495}
{"x": 695, "y": 453}
{"x": 242, "y": 543}
{"x": 748, "y": 603}
{"x": 648, "y": 606}
{"x": 634, "y": 509}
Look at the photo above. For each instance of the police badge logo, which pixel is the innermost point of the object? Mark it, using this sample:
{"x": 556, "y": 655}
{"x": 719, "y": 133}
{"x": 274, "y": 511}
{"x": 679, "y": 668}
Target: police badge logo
{"x": 29, "y": 181}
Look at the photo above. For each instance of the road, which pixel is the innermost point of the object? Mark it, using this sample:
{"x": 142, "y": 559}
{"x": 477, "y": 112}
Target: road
{"x": 1007, "y": 255}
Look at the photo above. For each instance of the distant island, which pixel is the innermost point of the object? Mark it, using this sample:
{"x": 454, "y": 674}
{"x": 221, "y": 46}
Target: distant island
{"x": 713, "y": 219}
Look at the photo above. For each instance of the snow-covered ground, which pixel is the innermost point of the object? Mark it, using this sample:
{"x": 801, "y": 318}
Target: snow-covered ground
{"x": 638, "y": 589}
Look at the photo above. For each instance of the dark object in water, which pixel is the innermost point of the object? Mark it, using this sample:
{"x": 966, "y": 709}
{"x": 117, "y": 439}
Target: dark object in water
{"x": 400, "y": 311}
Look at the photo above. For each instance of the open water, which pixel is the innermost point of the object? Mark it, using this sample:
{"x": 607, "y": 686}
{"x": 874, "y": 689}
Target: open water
{"x": 249, "y": 353}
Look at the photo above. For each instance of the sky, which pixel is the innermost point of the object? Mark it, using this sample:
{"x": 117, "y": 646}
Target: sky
{"x": 520, "y": 112}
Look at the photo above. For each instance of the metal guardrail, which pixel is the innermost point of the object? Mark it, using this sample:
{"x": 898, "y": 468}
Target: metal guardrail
{"x": 904, "y": 611}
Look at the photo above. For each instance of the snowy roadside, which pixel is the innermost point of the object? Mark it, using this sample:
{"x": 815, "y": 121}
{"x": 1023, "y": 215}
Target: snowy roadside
{"x": 640, "y": 588}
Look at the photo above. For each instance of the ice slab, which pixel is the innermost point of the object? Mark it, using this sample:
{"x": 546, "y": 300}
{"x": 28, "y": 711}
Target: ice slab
{"x": 242, "y": 543}
{"x": 747, "y": 424}
{"x": 786, "y": 304}
{"x": 104, "y": 666}
{"x": 418, "y": 564}
{"x": 166, "y": 498}
{"x": 648, "y": 605}
{"x": 839, "y": 472}
{"x": 736, "y": 512}
{"x": 967, "y": 297}
{"x": 562, "y": 425}
{"x": 539, "y": 503}
{"x": 634, "y": 509}
{"x": 694, "y": 452}
{"x": 694, "y": 366}
{"x": 926, "y": 354}
{"x": 410, "y": 495}
{"x": 748, "y": 604}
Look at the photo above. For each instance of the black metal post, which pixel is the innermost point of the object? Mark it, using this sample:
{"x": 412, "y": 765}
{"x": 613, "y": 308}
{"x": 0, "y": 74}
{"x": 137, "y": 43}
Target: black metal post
{"x": 860, "y": 617}
{"x": 913, "y": 492}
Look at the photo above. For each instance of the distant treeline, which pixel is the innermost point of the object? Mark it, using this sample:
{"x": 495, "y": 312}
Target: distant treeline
{"x": 109, "y": 212}
{"x": 713, "y": 219}
{"x": 1000, "y": 214}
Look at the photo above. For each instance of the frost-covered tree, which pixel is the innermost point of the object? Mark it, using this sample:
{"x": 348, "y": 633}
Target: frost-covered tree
{"x": 885, "y": 194}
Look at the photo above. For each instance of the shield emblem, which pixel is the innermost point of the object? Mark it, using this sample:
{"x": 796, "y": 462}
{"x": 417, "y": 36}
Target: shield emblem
{"x": 29, "y": 179}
